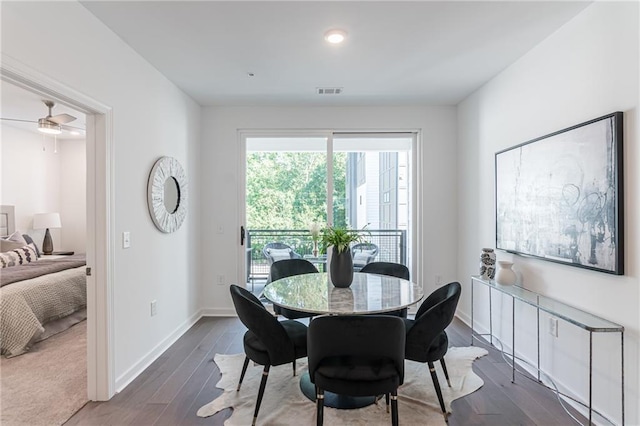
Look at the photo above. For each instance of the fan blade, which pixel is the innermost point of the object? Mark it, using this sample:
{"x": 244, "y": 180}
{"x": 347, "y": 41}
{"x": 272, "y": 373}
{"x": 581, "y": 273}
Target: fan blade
{"x": 61, "y": 118}
{"x": 17, "y": 119}
{"x": 72, "y": 128}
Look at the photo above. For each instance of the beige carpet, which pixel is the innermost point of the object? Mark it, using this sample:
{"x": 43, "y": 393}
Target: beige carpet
{"x": 46, "y": 385}
{"x": 284, "y": 404}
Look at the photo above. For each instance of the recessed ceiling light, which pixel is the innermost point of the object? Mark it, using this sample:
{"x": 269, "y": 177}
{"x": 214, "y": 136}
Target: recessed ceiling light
{"x": 335, "y": 36}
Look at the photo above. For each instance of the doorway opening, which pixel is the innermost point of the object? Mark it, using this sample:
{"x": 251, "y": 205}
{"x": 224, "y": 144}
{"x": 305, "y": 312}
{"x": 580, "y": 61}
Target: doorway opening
{"x": 99, "y": 218}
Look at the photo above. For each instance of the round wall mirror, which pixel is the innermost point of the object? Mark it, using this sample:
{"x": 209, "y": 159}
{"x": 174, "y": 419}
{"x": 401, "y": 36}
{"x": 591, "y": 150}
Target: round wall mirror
{"x": 171, "y": 194}
{"x": 167, "y": 194}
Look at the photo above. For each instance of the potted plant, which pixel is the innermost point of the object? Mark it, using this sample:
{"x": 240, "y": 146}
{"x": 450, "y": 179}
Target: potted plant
{"x": 341, "y": 266}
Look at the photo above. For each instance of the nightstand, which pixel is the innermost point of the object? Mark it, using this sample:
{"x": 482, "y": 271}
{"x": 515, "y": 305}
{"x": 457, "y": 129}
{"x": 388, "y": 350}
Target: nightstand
{"x": 56, "y": 255}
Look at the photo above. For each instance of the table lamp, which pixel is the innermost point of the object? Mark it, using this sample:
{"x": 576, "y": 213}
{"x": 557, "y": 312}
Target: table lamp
{"x": 46, "y": 221}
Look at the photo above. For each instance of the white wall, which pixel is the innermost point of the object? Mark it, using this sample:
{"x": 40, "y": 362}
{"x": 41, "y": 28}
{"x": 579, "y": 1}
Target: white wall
{"x": 587, "y": 69}
{"x": 73, "y": 195}
{"x": 220, "y": 175}
{"x": 151, "y": 118}
{"x": 36, "y": 179}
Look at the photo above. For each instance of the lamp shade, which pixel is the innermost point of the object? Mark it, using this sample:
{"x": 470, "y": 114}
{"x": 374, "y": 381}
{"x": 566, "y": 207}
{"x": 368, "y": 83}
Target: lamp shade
{"x": 46, "y": 220}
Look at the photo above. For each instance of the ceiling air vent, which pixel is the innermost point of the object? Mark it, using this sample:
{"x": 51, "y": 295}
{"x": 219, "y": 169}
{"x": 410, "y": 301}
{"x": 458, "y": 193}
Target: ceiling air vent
{"x": 329, "y": 90}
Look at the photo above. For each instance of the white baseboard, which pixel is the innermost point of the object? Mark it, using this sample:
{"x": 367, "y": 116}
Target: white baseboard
{"x": 218, "y": 312}
{"x": 144, "y": 362}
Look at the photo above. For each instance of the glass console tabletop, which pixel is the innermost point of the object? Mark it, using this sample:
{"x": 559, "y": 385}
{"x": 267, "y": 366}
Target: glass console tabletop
{"x": 556, "y": 308}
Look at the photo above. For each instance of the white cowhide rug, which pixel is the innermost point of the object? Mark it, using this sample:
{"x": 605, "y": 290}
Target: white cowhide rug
{"x": 284, "y": 403}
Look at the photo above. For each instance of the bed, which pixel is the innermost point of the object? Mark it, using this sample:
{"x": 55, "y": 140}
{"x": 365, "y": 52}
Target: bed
{"x": 36, "y": 293}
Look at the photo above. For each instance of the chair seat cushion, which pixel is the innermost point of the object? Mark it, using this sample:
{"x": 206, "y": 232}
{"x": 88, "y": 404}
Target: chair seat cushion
{"x": 417, "y": 350}
{"x": 357, "y": 376}
{"x": 298, "y": 334}
{"x": 257, "y": 351}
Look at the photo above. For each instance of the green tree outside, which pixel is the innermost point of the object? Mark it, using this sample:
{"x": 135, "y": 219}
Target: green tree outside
{"x": 287, "y": 190}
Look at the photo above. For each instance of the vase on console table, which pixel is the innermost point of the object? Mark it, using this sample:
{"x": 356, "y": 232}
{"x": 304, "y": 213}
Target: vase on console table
{"x": 506, "y": 275}
{"x": 487, "y": 264}
{"x": 315, "y": 249}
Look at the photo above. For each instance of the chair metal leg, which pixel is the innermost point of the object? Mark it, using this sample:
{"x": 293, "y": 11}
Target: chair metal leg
{"x": 319, "y": 406}
{"x": 263, "y": 383}
{"x": 446, "y": 373}
{"x": 394, "y": 408}
{"x": 386, "y": 399}
{"x": 244, "y": 370}
{"x": 436, "y": 384}
{"x": 294, "y": 367}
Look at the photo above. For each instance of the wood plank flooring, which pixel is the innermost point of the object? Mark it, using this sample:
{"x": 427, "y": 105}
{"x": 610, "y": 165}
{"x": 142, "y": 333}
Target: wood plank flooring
{"x": 183, "y": 379}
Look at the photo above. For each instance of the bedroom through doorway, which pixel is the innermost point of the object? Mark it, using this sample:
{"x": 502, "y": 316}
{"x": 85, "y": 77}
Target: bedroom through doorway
{"x": 54, "y": 178}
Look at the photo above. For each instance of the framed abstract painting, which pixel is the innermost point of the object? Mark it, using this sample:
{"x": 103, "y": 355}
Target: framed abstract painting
{"x": 559, "y": 197}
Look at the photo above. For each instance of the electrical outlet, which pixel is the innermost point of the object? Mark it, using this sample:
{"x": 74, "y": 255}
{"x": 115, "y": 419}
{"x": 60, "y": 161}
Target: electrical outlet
{"x": 438, "y": 280}
{"x": 220, "y": 279}
{"x": 220, "y": 229}
{"x": 126, "y": 239}
{"x": 553, "y": 327}
{"x": 154, "y": 308}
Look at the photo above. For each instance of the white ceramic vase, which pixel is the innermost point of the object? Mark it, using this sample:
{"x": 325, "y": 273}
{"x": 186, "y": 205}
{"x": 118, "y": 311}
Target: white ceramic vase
{"x": 506, "y": 275}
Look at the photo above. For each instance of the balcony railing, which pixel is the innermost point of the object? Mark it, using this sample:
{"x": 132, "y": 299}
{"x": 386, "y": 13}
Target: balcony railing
{"x": 392, "y": 245}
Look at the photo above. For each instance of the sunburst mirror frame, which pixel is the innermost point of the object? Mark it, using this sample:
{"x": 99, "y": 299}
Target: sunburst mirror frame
{"x": 167, "y": 168}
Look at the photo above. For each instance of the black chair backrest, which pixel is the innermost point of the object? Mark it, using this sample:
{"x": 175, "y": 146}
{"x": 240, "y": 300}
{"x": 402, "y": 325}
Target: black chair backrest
{"x": 397, "y": 270}
{"x": 438, "y": 296}
{"x": 437, "y": 315}
{"x": 290, "y": 267}
{"x": 369, "y": 337}
{"x": 264, "y": 325}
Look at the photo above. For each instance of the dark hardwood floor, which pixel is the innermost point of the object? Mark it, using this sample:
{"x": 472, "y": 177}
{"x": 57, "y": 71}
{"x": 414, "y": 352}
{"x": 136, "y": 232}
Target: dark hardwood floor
{"x": 183, "y": 379}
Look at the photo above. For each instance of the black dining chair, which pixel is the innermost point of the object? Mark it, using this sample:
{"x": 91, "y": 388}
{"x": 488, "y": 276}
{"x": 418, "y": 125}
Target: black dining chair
{"x": 356, "y": 355}
{"x": 267, "y": 342}
{"x": 397, "y": 270}
{"x": 288, "y": 268}
{"x": 427, "y": 340}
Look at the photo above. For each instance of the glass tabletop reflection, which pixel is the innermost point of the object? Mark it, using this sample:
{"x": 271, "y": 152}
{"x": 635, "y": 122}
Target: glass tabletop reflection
{"x": 368, "y": 294}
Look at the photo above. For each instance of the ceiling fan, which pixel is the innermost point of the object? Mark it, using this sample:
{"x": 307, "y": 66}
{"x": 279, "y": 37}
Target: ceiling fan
{"x": 51, "y": 124}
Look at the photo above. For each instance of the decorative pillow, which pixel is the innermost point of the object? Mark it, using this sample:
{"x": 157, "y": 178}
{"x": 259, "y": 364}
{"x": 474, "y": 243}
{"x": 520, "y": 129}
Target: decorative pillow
{"x": 19, "y": 256}
{"x": 6, "y": 245}
{"x": 18, "y": 238}
{"x": 361, "y": 257}
{"x": 29, "y": 240}
{"x": 279, "y": 254}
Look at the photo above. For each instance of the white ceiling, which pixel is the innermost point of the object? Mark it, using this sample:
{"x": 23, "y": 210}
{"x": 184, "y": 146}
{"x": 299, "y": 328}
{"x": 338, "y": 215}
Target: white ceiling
{"x": 396, "y": 53}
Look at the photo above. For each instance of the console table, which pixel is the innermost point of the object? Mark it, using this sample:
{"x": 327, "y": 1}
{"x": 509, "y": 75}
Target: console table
{"x": 569, "y": 314}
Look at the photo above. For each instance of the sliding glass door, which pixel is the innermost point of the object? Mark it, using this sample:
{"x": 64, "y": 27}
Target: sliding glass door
{"x": 357, "y": 180}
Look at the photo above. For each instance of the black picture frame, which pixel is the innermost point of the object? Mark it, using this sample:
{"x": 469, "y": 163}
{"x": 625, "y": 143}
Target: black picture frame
{"x": 559, "y": 197}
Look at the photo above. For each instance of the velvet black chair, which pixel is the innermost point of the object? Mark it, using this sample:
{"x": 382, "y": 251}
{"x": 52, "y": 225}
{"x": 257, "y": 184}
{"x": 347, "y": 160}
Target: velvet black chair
{"x": 397, "y": 270}
{"x": 427, "y": 340}
{"x": 356, "y": 355}
{"x": 268, "y": 341}
{"x": 288, "y": 268}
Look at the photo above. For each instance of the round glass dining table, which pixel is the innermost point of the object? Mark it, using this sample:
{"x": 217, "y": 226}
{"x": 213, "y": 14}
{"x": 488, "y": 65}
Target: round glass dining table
{"x": 368, "y": 294}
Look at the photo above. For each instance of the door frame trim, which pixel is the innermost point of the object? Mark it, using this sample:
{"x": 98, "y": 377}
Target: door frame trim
{"x": 100, "y": 218}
